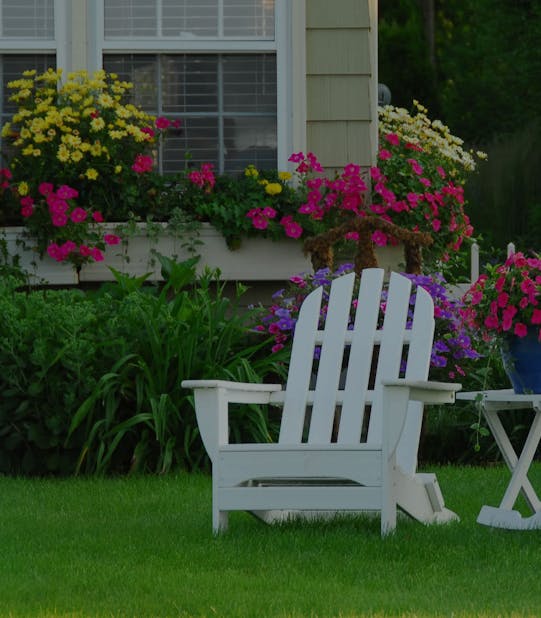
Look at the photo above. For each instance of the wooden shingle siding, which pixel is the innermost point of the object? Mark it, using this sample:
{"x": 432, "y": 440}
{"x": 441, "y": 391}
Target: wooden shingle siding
{"x": 341, "y": 81}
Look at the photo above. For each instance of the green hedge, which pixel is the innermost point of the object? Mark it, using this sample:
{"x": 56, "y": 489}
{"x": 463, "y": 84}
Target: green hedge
{"x": 90, "y": 381}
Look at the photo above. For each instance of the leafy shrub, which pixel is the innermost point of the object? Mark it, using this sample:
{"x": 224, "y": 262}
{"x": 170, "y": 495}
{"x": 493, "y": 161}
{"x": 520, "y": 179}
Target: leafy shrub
{"x": 91, "y": 382}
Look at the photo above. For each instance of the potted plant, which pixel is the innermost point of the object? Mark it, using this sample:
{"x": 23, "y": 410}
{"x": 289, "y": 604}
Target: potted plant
{"x": 504, "y": 306}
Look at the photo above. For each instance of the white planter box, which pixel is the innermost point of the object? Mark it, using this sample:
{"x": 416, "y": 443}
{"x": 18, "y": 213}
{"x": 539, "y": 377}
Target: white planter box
{"x": 256, "y": 260}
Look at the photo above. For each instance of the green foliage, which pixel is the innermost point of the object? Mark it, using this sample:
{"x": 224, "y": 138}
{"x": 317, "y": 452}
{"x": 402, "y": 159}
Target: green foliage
{"x": 403, "y": 59}
{"x": 91, "y": 382}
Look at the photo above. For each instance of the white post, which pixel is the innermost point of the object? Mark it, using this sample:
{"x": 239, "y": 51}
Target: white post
{"x": 510, "y": 249}
{"x": 474, "y": 264}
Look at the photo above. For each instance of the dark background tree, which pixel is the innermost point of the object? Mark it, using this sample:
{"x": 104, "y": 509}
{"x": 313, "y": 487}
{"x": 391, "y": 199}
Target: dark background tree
{"x": 476, "y": 65}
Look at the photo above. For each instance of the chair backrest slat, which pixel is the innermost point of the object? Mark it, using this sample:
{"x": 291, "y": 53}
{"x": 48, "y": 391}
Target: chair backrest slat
{"x": 360, "y": 357}
{"x": 300, "y": 369}
{"x": 330, "y": 361}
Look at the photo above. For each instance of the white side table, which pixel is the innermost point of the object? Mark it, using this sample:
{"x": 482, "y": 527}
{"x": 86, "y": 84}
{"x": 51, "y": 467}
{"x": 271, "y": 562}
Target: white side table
{"x": 492, "y": 403}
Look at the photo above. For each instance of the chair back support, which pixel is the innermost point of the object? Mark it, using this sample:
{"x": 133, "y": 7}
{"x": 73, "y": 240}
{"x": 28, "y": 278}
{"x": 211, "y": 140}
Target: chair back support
{"x": 337, "y": 363}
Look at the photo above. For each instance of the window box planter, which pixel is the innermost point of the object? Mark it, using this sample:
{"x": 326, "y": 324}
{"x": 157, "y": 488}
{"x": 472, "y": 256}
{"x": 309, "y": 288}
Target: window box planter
{"x": 257, "y": 259}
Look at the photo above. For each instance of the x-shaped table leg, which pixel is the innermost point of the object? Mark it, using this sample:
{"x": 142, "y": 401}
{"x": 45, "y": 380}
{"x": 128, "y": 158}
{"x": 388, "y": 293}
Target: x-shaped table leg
{"x": 504, "y": 516}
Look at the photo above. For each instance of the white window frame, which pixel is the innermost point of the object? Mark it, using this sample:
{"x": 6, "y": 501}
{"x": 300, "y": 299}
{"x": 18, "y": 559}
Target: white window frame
{"x": 288, "y": 45}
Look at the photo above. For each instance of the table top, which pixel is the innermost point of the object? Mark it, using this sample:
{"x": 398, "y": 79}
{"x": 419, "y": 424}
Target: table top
{"x": 506, "y": 395}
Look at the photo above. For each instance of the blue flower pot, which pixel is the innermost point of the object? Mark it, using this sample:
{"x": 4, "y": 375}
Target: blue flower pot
{"x": 522, "y": 362}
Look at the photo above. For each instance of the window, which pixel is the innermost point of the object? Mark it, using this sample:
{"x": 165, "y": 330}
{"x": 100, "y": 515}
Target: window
{"x": 212, "y": 64}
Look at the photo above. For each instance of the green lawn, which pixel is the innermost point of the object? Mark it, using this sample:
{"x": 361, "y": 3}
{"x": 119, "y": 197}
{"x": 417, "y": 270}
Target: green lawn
{"x": 143, "y": 547}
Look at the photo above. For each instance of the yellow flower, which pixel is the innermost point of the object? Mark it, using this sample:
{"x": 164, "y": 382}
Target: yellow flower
{"x": 285, "y": 176}
{"x": 273, "y": 188}
{"x": 97, "y": 124}
{"x": 91, "y": 173}
{"x": 23, "y": 188}
{"x": 118, "y": 169}
{"x": 76, "y": 156}
{"x": 117, "y": 134}
{"x": 251, "y": 171}
{"x": 28, "y": 151}
{"x": 6, "y": 130}
{"x": 106, "y": 100}
{"x": 96, "y": 149}
{"x": 63, "y": 154}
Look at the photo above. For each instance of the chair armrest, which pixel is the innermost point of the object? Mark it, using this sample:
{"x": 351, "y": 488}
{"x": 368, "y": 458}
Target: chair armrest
{"x": 426, "y": 391}
{"x": 236, "y": 392}
{"x": 212, "y": 399}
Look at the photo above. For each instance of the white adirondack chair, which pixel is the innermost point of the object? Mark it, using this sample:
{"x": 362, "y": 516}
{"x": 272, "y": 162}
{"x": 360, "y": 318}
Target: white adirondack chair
{"x": 350, "y": 443}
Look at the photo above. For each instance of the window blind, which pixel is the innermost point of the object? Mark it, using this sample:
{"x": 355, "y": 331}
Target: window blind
{"x": 189, "y": 18}
{"x": 27, "y": 19}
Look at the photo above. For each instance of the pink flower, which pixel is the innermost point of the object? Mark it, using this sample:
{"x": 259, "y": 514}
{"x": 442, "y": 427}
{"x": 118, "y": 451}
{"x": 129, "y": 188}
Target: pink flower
{"x": 425, "y": 182}
{"x": 277, "y": 347}
{"x": 162, "y": 123}
{"x": 536, "y": 316}
{"x": 415, "y": 166}
{"x": 384, "y": 155}
{"x": 65, "y": 192}
{"x": 54, "y": 252}
{"x": 59, "y": 219}
{"x": 148, "y": 131}
{"x": 379, "y": 238}
{"x": 491, "y": 322}
{"x": 96, "y": 254}
{"x": 27, "y": 211}
{"x": 111, "y": 239}
{"x": 268, "y": 212}
{"x": 97, "y": 216}
{"x": 393, "y": 139}
{"x": 68, "y": 247}
{"x": 45, "y": 188}
{"x": 441, "y": 171}
{"x": 520, "y": 329}
{"x": 56, "y": 205}
{"x": 27, "y": 204}
{"x": 292, "y": 228}
{"x": 503, "y": 299}
{"x": 78, "y": 215}
{"x": 142, "y": 164}
{"x": 85, "y": 251}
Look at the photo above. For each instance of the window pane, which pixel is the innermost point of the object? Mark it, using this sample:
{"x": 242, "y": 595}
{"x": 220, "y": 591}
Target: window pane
{"x": 194, "y": 143}
{"x": 28, "y": 19}
{"x": 12, "y": 67}
{"x": 130, "y": 18}
{"x": 249, "y": 83}
{"x": 249, "y": 18}
{"x": 249, "y": 140}
{"x": 142, "y": 72}
{"x": 190, "y": 83}
{"x": 182, "y": 18}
